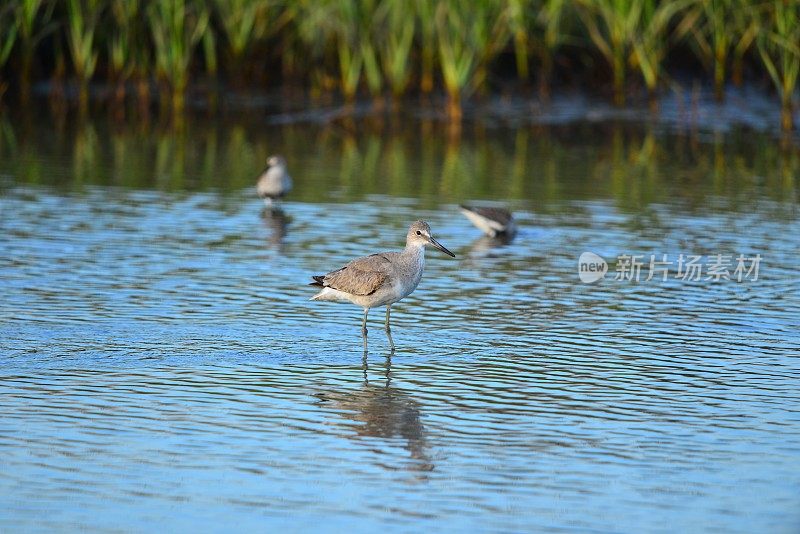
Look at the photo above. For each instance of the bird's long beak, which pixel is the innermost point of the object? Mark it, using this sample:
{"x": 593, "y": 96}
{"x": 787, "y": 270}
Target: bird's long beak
{"x": 440, "y": 247}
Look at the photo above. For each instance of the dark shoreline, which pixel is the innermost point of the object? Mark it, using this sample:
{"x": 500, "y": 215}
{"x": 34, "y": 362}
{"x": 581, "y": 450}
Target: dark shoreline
{"x": 692, "y": 110}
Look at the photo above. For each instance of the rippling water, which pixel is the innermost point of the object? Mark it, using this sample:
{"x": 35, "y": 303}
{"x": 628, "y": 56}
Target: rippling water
{"x": 162, "y": 367}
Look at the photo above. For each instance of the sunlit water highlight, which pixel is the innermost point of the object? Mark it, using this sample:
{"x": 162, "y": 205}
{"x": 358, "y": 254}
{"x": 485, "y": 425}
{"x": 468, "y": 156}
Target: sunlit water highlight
{"x": 162, "y": 367}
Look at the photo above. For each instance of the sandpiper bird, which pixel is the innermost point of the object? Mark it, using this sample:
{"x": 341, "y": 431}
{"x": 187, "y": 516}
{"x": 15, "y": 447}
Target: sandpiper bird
{"x": 491, "y": 221}
{"x": 380, "y": 279}
{"x": 274, "y": 181}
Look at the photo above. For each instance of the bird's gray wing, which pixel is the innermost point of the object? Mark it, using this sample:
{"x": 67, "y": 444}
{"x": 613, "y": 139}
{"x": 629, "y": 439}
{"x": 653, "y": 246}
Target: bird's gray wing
{"x": 363, "y": 276}
{"x": 495, "y": 214}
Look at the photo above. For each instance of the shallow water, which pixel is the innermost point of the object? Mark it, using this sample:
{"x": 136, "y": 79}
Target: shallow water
{"x": 162, "y": 367}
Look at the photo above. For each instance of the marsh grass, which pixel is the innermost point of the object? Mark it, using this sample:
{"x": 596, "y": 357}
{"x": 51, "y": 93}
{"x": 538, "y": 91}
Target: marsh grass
{"x": 779, "y": 46}
{"x": 469, "y": 36}
{"x": 651, "y": 42}
{"x": 353, "y": 47}
{"x": 82, "y": 17}
{"x": 34, "y": 22}
{"x": 122, "y": 45}
{"x": 240, "y": 24}
{"x": 176, "y": 26}
{"x": 425, "y": 13}
{"x": 8, "y": 35}
{"x": 613, "y": 26}
{"x": 552, "y": 21}
{"x": 343, "y": 26}
{"x": 394, "y": 49}
{"x": 720, "y": 29}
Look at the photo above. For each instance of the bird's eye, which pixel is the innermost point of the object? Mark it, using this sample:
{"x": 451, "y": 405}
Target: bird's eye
{"x": 419, "y": 233}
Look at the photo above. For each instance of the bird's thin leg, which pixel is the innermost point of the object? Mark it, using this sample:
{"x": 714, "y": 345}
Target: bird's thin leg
{"x": 268, "y": 202}
{"x": 364, "y": 324}
{"x": 389, "y": 328}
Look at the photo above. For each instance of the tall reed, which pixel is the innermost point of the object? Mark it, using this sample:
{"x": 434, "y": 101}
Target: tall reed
{"x": 552, "y": 32}
{"x": 779, "y": 47}
{"x": 350, "y": 45}
{"x": 745, "y": 22}
{"x": 456, "y": 60}
{"x": 518, "y": 14}
{"x": 82, "y": 18}
{"x": 123, "y": 44}
{"x": 651, "y": 40}
{"x": 177, "y": 26}
{"x": 718, "y": 29}
{"x": 345, "y": 26}
{"x": 469, "y": 35}
{"x": 238, "y": 21}
{"x": 489, "y": 36}
{"x": 33, "y": 19}
{"x": 371, "y": 37}
{"x": 425, "y": 11}
{"x": 283, "y": 28}
{"x": 395, "y": 38}
{"x": 8, "y": 37}
{"x": 612, "y": 26}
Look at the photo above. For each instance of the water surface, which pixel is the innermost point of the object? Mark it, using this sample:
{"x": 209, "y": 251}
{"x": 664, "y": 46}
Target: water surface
{"x": 162, "y": 367}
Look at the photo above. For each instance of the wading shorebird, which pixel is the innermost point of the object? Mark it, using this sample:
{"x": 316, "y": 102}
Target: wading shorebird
{"x": 274, "y": 181}
{"x": 493, "y": 222}
{"x": 380, "y": 279}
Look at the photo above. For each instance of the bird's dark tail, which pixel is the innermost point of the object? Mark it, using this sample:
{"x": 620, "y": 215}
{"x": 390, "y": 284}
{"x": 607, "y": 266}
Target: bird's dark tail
{"x": 317, "y": 281}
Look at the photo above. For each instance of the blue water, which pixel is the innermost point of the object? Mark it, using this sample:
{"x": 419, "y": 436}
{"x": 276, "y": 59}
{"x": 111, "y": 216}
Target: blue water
{"x": 161, "y": 366}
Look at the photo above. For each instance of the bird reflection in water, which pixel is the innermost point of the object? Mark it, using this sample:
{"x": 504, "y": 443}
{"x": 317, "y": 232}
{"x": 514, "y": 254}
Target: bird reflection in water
{"x": 486, "y": 246}
{"x": 385, "y": 412}
{"x": 277, "y": 223}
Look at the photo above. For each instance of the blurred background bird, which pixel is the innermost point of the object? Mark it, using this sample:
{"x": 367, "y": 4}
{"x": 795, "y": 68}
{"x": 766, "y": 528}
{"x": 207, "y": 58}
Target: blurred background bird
{"x": 493, "y": 222}
{"x": 274, "y": 182}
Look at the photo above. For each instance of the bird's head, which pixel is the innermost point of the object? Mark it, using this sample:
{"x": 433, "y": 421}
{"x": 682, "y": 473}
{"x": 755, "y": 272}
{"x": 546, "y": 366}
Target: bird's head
{"x": 419, "y": 235}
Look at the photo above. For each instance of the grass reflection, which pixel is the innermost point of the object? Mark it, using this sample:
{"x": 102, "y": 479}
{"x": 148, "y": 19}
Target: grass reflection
{"x": 633, "y": 165}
